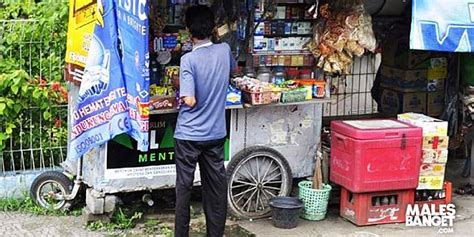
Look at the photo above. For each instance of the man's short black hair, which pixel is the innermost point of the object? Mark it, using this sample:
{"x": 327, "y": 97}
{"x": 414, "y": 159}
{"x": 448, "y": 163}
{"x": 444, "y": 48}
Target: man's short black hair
{"x": 200, "y": 21}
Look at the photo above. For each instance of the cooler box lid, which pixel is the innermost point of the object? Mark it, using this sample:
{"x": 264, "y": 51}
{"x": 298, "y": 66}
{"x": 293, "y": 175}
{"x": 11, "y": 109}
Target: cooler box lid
{"x": 375, "y": 129}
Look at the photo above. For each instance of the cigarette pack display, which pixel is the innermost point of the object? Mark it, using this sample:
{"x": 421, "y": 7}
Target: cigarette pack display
{"x": 432, "y": 169}
{"x": 431, "y": 182}
{"x": 281, "y": 12}
{"x": 434, "y": 156}
{"x": 374, "y": 208}
{"x": 431, "y": 126}
{"x": 375, "y": 155}
{"x": 260, "y": 43}
{"x": 435, "y": 142}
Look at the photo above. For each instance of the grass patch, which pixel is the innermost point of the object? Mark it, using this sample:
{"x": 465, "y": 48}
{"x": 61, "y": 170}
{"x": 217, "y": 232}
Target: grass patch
{"x": 153, "y": 227}
{"x": 119, "y": 221}
{"x": 27, "y": 205}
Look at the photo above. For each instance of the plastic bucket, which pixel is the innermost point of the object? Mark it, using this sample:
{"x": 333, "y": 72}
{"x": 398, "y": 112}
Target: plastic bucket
{"x": 285, "y": 211}
{"x": 315, "y": 201}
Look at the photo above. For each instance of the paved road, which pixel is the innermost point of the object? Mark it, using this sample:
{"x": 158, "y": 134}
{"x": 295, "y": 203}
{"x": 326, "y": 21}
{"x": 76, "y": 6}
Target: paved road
{"x": 336, "y": 226}
{"x": 17, "y": 224}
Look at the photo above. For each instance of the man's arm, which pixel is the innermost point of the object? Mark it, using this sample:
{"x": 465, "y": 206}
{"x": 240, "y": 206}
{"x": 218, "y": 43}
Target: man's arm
{"x": 189, "y": 100}
{"x": 186, "y": 83}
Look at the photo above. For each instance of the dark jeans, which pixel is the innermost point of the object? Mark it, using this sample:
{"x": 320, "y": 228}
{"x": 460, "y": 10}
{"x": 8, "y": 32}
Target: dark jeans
{"x": 210, "y": 156}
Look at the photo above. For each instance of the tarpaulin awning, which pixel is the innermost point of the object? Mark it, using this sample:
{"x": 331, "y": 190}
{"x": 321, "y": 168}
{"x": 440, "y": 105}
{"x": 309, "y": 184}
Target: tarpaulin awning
{"x": 441, "y": 25}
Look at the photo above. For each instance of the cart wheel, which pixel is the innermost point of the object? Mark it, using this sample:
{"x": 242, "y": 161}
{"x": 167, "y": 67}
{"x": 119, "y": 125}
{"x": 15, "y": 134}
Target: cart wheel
{"x": 47, "y": 186}
{"x": 254, "y": 176}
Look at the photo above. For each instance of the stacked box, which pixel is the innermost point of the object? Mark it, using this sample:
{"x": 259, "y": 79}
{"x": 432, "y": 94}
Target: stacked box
{"x": 377, "y": 163}
{"x": 375, "y": 155}
{"x": 394, "y": 102}
{"x": 435, "y": 149}
{"x": 403, "y": 86}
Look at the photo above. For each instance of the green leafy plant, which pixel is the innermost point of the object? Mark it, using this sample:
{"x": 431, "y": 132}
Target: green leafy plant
{"x": 166, "y": 231}
{"x": 32, "y": 92}
{"x": 153, "y": 227}
{"x": 27, "y": 205}
{"x": 119, "y": 221}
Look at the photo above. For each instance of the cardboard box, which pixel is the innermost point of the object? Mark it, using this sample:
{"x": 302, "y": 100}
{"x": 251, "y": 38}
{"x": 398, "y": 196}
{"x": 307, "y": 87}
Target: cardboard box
{"x": 404, "y": 80}
{"x": 397, "y": 53}
{"x": 432, "y": 169}
{"x": 434, "y": 156}
{"x": 435, "y": 85}
{"x": 438, "y": 69}
{"x": 431, "y": 126}
{"x": 435, "y": 142}
{"x": 394, "y": 102}
{"x": 437, "y": 74}
{"x": 435, "y": 103}
{"x": 430, "y": 182}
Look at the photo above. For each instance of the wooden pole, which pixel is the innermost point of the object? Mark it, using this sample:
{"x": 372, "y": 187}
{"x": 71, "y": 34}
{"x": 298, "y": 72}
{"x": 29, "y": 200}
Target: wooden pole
{"x": 318, "y": 175}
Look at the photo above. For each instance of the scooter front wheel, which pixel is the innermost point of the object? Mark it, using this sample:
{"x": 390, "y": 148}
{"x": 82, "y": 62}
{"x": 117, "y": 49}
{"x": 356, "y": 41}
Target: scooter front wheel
{"x": 49, "y": 188}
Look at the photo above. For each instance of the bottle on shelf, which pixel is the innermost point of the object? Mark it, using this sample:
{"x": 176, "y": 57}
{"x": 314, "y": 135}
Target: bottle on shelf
{"x": 264, "y": 74}
{"x": 279, "y": 76}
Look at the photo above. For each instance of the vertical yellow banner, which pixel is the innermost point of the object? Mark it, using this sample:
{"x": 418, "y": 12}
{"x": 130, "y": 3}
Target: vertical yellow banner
{"x": 83, "y": 14}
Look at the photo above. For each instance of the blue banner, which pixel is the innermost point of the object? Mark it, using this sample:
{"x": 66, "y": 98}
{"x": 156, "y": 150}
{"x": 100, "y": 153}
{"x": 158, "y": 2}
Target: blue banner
{"x": 112, "y": 96}
{"x": 441, "y": 25}
{"x": 132, "y": 21}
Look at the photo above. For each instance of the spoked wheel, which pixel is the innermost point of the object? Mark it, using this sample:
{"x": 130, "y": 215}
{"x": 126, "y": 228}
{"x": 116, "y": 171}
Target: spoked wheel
{"x": 254, "y": 176}
{"x": 48, "y": 188}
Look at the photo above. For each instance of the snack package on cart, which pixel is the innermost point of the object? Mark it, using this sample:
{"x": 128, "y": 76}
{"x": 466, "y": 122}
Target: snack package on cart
{"x": 234, "y": 96}
{"x": 162, "y": 97}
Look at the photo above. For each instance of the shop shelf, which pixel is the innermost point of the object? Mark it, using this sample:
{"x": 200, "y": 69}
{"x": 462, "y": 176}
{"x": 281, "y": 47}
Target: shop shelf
{"x": 306, "y": 102}
{"x": 286, "y": 20}
{"x": 283, "y": 52}
{"x": 174, "y": 110}
{"x": 285, "y": 35}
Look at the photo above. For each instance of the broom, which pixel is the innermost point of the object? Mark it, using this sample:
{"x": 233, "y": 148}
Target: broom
{"x": 318, "y": 175}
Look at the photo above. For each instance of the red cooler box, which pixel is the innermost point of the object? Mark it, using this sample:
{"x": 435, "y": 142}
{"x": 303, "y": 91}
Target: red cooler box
{"x": 375, "y": 155}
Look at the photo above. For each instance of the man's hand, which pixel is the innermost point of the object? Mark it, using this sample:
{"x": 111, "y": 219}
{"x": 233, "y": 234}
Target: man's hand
{"x": 189, "y": 101}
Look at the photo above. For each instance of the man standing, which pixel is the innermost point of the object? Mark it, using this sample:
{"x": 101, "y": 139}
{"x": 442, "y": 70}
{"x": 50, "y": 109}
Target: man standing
{"x": 201, "y": 128}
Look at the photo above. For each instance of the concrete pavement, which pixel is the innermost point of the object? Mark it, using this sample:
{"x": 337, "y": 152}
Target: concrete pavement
{"x": 17, "y": 224}
{"x": 336, "y": 226}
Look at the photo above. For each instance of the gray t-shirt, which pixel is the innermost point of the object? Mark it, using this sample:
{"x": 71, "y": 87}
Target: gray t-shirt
{"x": 204, "y": 74}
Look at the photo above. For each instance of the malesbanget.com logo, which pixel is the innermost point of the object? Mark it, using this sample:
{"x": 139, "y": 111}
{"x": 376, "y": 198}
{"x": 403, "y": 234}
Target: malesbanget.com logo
{"x": 432, "y": 215}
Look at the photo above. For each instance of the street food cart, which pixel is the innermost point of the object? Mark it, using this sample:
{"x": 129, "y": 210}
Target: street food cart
{"x": 268, "y": 144}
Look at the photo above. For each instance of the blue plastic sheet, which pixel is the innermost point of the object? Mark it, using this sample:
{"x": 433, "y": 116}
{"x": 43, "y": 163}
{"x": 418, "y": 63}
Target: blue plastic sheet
{"x": 441, "y": 25}
{"x": 113, "y": 96}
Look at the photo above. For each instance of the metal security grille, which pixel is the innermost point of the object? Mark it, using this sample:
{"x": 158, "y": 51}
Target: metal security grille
{"x": 351, "y": 92}
{"x": 36, "y": 144}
